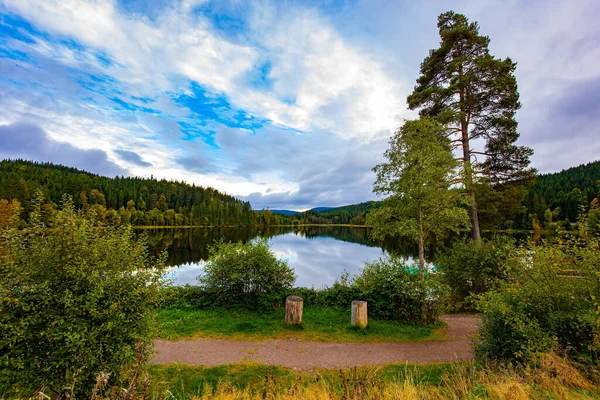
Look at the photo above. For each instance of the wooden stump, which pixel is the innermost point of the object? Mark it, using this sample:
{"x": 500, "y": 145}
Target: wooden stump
{"x": 293, "y": 310}
{"x": 359, "y": 314}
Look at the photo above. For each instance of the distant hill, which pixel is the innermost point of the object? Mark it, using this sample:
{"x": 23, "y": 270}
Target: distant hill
{"x": 321, "y": 209}
{"x": 284, "y": 212}
{"x": 556, "y": 190}
{"x": 354, "y": 214}
{"x": 140, "y": 201}
{"x": 351, "y": 214}
{"x": 291, "y": 212}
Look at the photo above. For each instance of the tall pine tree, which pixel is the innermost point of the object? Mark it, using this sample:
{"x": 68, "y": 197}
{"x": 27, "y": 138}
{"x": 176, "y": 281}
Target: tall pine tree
{"x": 476, "y": 96}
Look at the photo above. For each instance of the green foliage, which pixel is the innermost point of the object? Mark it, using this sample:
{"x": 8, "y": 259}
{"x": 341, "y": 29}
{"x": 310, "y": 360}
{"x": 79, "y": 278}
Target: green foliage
{"x": 556, "y": 190}
{"x": 474, "y": 267}
{"x": 76, "y": 299}
{"x": 188, "y": 296}
{"x": 394, "y": 290}
{"x": 137, "y": 201}
{"x": 320, "y": 323}
{"x": 593, "y": 221}
{"x": 397, "y": 291}
{"x": 273, "y": 382}
{"x": 417, "y": 178}
{"x": 247, "y": 275}
{"x": 464, "y": 87}
{"x": 339, "y": 295}
{"x": 551, "y": 304}
{"x": 354, "y": 214}
{"x": 501, "y": 207}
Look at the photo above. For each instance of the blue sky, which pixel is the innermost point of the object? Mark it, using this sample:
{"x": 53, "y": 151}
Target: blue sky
{"x": 285, "y": 104}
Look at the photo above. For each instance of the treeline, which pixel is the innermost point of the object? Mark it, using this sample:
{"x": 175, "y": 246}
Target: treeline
{"x": 555, "y": 199}
{"x": 354, "y": 214}
{"x": 561, "y": 196}
{"x": 139, "y": 201}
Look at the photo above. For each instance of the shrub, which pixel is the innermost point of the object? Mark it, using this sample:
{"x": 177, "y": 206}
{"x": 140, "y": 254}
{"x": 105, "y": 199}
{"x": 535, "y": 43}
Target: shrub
{"x": 550, "y": 304}
{"x": 187, "y": 296}
{"x": 397, "y": 291}
{"x": 475, "y": 267}
{"x": 247, "y": 275}
{"x": 76, "y": 299}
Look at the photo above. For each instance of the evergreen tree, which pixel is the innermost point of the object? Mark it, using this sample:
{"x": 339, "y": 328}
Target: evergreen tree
{"x": 476, "y": 95}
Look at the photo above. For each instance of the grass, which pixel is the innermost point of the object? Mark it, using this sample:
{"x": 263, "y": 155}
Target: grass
{"x": 556, "y": 378}
{"x": 319, "y": 324}
{"x": 185, "y": 382}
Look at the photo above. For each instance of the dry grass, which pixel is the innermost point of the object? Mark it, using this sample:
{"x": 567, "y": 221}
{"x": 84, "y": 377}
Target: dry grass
{"x": 555, "y": 378}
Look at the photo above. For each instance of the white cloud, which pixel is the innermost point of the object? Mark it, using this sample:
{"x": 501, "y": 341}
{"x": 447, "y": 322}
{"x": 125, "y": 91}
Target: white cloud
{"x": 321, "y": 81}
{"x": 332, "y": 85}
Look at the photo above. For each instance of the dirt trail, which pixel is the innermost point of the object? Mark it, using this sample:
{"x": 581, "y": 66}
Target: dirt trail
{"x": 309, "y": 355}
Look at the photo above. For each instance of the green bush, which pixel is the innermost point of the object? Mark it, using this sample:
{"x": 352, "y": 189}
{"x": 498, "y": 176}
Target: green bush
{"x": 76, "y": 299}
{"x": 475, "y": 267}
{"x": 593, "y": 221}
{"x": 187, "y": 296}
{"x": 397, "y": 291}
{"x": 249, "y": 276}
{"x": 246, "y": 275}
{"x": 550, "y": 305}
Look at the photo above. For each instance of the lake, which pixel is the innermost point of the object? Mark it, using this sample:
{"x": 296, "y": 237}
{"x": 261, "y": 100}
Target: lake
{"x": 318, "y": 254}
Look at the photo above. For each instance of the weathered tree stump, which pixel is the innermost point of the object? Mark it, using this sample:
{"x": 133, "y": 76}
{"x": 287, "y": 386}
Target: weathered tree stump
{"x": 293, "y": 310}
{"x": 359, "y": 314}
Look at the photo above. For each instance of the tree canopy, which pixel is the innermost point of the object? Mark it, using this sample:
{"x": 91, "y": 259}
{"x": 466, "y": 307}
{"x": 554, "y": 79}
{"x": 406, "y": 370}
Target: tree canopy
{"x": 464, "y": 86}
{"x": 417, "y": 178}
{"x": 139, "y": 201}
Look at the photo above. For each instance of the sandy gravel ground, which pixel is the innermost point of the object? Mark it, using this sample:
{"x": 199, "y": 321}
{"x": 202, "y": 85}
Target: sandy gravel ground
{"x": 309, "y": 355}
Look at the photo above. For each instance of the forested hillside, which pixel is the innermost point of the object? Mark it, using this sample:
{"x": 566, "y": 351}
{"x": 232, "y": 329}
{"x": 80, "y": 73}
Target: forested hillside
{"x": 553, "y": 198}
{"x": 133, "y": 200}
{"x": 352, "y": 214}
{"x": 562, "y": 193}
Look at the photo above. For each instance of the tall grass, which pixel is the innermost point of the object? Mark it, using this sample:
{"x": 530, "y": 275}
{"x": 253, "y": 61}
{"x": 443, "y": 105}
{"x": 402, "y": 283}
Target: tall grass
{"x": 555, "y": 378}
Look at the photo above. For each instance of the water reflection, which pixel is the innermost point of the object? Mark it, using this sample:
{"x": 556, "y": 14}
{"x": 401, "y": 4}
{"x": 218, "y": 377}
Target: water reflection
{"x": 318, "y": 254}
{"x": 321, "y": 260}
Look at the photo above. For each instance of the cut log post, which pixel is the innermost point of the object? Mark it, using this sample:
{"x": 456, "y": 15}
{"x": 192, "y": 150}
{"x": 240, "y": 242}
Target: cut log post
{"x": 359, "y": 314}
{"x": 293, "y": 310}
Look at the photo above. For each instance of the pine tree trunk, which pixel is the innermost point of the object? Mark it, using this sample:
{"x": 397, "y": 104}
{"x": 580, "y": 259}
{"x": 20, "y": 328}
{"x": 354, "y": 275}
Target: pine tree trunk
{"x": 475, "y": 232}
{"x": 421, "y": 248}
{"x": 359, "y": 314}
{"x": 293, "y": 310}
{"x": 473, "y": 217}
{"x": 464, "y": 130}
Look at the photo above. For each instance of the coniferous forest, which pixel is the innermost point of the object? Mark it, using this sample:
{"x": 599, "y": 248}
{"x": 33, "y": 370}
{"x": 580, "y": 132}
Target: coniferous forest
{"x": 554, "y": 198}
{"x": 560, "y": 195}
{"x": 138, "y": 201}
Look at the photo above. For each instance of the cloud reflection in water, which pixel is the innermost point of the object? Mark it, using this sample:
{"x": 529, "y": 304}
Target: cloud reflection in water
{"x": 317, "y": 261}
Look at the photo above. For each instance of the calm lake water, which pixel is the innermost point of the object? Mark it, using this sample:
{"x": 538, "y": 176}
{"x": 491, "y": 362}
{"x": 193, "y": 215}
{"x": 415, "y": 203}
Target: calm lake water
{"x": 318, "y": 254}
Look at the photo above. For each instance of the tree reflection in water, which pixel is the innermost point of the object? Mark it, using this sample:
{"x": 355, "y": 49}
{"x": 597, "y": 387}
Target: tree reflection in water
{"x": 319, "y": 254}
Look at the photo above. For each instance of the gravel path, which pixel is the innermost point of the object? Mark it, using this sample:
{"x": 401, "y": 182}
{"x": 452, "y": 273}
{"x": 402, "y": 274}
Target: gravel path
{"x": 309, "y": 355}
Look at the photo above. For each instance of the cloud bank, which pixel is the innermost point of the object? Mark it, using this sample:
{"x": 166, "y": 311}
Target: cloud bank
{"x": 286, "y": 104}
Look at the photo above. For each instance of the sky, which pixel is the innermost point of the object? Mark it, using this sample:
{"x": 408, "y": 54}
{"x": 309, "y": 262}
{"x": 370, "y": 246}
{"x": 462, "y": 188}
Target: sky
{"x": 286, "y": 104}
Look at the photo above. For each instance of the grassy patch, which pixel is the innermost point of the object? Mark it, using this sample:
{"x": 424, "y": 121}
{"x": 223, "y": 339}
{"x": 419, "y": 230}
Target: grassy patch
{"x": 319, "y": 324}
{"x": 460, "y": 381}
{"x": 185, "y": 382}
